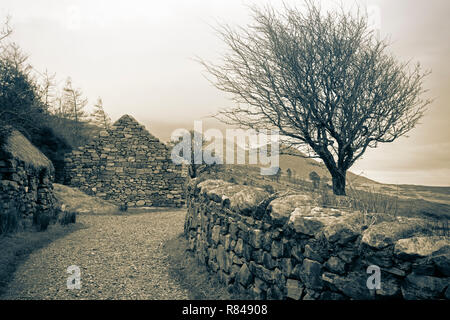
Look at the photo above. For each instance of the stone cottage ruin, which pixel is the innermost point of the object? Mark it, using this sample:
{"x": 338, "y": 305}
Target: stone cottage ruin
{"x": 128, "y": 165}
{"x": 26, "y": 188}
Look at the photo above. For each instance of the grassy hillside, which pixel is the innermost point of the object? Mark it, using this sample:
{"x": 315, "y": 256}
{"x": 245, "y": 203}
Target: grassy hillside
{"x": 303, "y": 166}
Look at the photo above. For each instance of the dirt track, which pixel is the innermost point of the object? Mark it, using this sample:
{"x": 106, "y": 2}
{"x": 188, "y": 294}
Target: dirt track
{"x": 120, "y": 257}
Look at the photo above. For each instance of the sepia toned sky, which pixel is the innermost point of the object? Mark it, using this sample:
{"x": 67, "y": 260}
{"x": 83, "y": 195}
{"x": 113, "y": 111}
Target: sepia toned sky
{"x": 139, "y": 57}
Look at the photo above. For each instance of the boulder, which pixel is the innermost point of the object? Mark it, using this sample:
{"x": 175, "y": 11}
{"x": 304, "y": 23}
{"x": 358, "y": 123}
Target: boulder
{"x": 247, "y": 199}
{"x": 311, "y": 274}
{"x": 244, "y": 275}
{"x": 352, "y": 285}
{"x": 441, "y": 261}
{"x": 386, "y": 233}
{"x": 418, "y": 247}
{"x": 417, "y": 287}
{"x": 337, "y": 225}
{"x": 294, "y": 289}
{"x": 390, "y": 288}
{"x": 336, "y": 265}
{"x": 280, "y": 209}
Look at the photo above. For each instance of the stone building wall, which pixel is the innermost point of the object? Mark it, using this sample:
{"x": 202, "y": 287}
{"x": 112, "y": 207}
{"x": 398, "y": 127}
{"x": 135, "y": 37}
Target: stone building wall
{"x": 288, "y": 248}
{"x": 126, "y": 164}
{"x": 26, "y": 189}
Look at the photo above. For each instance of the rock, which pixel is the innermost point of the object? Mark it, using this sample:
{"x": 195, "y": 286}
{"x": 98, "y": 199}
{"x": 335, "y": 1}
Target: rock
{"x": 239, "y": 248}
{"x": 280, "y": 209}
{"x": 417, "y": 247}
{"x": 385, "y": 233}
{"x": 247, "y": 199}
{"x": 416, "y": 287}
{"x": 382, "y": 258}
{"x": 279, "y": 278}
{"x": 257, "y": 293}
{"x": 311, "y": 274}
{"x": 215, "y": 234}
{"x": 222, "y": 259}
{"x": 353, "y": 285}
{"x": 277, "y": 249}
{"x": 423, "y": 267}
{"x": 244, "y": 275}
{"x": 329, "y": 295}
{"x": 344, "y": 230}
{"x": 234, "y": 271}
{"x": 447, "y": 293}
{"x": 274, "y": 293}
{"x": 268, "y": 261}
{"x": 315, "y": 251}
{"x": 338, "y": 225}
{"x": 257, "y": 256}
{"x": 347, "y": 255}
{"x": 294, "y": 289}
{"x": 390, "y": 288}
{"x": 395, "y": 271}
{"x": 302, "y": 222}
{"x": 286, "y": 266}
{"x": 256, "y": 238}
{"x": 140, "y": 203}
{"x": 260, "y": 284}
{"x": 296, "y": 252}
{"x": 336, "y": 265}
{"x": 261, "y": 272}
{"x": 442, "y": 262}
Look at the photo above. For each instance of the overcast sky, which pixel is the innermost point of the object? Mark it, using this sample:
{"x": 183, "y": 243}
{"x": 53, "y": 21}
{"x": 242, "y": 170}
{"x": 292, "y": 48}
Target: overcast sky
{"x": 139, "y": 57}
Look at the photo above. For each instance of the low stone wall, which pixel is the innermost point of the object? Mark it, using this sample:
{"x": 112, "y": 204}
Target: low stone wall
{"x": 26, "y": 189}
{"x": 287, "y": 247}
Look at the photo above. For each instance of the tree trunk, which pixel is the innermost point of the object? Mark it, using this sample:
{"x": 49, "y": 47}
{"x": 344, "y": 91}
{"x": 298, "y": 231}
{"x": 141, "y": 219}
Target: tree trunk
{"x": 339, "y": 182}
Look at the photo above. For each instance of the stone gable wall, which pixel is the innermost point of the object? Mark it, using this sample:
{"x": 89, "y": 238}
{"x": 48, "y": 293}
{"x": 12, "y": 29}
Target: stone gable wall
{"x": 288, "y": 248}
{"x": 126, "y": 164}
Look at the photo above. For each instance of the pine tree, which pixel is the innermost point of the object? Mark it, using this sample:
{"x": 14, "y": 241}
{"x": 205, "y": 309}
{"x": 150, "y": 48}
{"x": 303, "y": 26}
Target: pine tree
{"x": 73, "y": 103}
{"x": 100, "y": 117}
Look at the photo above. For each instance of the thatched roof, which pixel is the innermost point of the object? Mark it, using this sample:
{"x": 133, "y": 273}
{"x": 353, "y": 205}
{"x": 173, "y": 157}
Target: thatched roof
{"x": 16, "y": 146}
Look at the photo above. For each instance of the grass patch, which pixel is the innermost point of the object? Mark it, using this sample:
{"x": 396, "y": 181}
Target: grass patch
{"x": 77, "y": 201}
{"x": 192, "y": 276}
{"x": 15, "y": 248}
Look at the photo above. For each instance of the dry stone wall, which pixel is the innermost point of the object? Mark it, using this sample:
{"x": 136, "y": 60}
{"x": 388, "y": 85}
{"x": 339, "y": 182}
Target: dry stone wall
{"x": 26, "y": 189}
{"x": 127, "y": 165}
{"x": 288, "y": 248}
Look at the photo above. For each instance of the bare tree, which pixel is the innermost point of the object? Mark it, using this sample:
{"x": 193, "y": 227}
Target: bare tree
{"x": 324, "y": 80}
{"x": 315, "y": 178}
{"x": 6, "y": 29}
{"x": 100, "y": 116}
{"x": 47, "y": 90}
{"x": 289, "y": 174}
{"x": 74, "y": 104}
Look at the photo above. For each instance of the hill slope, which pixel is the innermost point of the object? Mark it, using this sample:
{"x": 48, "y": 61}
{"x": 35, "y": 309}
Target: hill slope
{"x": 303, "y": 166}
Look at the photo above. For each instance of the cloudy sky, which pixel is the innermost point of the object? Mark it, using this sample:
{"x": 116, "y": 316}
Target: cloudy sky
{"x": 139, "y": 57}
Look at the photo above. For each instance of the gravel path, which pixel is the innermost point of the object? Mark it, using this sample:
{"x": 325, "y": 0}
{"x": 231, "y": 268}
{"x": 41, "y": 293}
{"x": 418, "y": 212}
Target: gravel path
{"x": 120, "y": 257}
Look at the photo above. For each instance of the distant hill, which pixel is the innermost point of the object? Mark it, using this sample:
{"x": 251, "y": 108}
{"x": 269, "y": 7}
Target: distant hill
{"x": 301, "y": 168}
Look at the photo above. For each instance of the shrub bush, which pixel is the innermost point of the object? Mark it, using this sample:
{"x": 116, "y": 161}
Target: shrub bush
{"x": 232, "y": 180}
{"x": 123, "y": 207}
{"x": 268, "y": 188}
{"x": 8, "y": 221}
{"x": 68, "y": 217}
{"x": 43, "y": 221}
